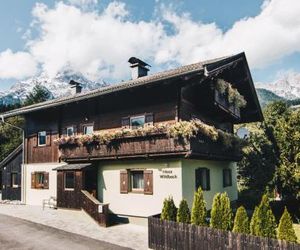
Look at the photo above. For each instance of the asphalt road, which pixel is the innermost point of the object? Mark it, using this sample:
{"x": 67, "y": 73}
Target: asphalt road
{"x": 20, "y": 234}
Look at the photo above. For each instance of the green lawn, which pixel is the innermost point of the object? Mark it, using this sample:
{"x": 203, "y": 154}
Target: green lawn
{"x": 297, "y": 230}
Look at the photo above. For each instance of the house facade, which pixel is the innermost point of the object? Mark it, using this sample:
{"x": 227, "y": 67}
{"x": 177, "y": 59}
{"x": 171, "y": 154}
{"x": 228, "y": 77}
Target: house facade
{"x": 122, "y": 149}
{"x": 10, "y": 175}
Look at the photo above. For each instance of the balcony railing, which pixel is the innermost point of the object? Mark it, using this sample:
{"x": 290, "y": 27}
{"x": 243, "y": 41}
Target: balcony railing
{"x": 156, "y": 145}
{"x": 222, "y": 100}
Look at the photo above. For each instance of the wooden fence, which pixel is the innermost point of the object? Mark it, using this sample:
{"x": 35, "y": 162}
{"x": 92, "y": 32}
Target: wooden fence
{"x": 173, "y": 235}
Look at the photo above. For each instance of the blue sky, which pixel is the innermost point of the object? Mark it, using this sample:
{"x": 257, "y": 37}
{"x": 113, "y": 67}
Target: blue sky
{"x": 53, "y": 36}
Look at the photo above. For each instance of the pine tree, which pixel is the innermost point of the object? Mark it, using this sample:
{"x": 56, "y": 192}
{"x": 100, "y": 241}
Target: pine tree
{"x": 285, "y": 228}
{"x": 38, "y": 94}
{"x": 169, "y": 210}
{"x": 265, "y": 224}
{"x": 183, "y": 213}
{"x": 198, "y": 209}
{"x": 221, "y": 213}
{"x": 241, "y": 221}
{"x": 253, "y": 222}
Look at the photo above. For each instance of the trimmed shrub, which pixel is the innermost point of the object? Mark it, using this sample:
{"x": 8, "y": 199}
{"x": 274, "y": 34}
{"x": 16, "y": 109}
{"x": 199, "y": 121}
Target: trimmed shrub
{"x": 253, "y": 222}
{"x": 169, "y": 210}
{"x": 285, "y": 228}
{"x": 198, "y": 209}
{"x": 264, "y": 224}
{"x": 241, "y": 221}
{"x": 221, "y": 213}
{"x": 183, "y": 213}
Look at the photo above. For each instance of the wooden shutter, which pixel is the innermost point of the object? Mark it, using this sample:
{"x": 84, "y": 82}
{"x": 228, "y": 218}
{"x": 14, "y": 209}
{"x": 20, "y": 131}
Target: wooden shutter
{"x": 125, "y": 122}
{"x": 35, "y": 140}
{"x": 148, "y": 182}
{"x": 33, "y": 180}
{"x": 224, "y": 178}
{"x": 123, "y": 181}
{"x": 207, "y": 178}
{"x": 149, "y": 119}
{"x": 8, "y": 179}
{"x": 48, "y": 138}
{"x": 46, "y": 180}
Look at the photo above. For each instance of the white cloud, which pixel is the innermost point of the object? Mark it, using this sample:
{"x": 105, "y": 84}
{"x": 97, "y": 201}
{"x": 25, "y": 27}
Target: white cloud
{"x": 98, "y": 44}
{"x": 16, "y": 65}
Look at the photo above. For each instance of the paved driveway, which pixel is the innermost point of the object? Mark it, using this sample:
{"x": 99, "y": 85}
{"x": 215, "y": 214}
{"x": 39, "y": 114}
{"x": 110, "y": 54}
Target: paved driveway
{"x": 20, "y": 234}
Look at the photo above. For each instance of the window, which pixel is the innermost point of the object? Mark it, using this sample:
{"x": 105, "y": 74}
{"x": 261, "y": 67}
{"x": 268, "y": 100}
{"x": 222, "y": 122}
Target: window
{"x": 69, "y": 180}
{"x": 14, "y": 180}
{"x": 40, "y": 180}
{"x": 202, "y": 178}
{"x": 70, "y": 131}
{"x": 42, "y": 137}
{"x": 227, "y": 177}
{"x": 88, "y": 129}
{"x": 137, "y": 122}
{"x": 137, "y": 180}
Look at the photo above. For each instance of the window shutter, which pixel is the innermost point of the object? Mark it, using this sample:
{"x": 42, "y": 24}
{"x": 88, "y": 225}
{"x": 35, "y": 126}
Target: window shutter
{"x": 32, "y": 180}
{"x": 123, "y": 181}
{"x": 208, "y": 179}
{"x": 19, "y": 179}
{"x": 148, "y": 182}
{"x": 8, "y": 181}
{"x": 230, "y": 177}
{"x": 46, "y": 180}
{"x": 149, "y": 118}
{"x": 64, "y": 132}
{"x": 224, "y": 178}
{"x": 48, "y": 138}
{"x": 125, "y": 122}
{"x": 75, "y": 129}
{"x": 35, "y": 140}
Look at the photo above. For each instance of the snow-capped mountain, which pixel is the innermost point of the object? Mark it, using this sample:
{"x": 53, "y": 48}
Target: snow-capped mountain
{"x": 287, "y": 86}
{"x": 58, "y": 86}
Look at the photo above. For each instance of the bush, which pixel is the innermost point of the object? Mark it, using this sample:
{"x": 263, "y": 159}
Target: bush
{"x": 285, "y": 228}
{"x": 183, "y": 213}
{"x": 221, "y": 213}
{"x": 241, "y": 221}
{"x": 169, "y": 210}
{"x": 263, "y": 223}
{"x": 198, "y": 209}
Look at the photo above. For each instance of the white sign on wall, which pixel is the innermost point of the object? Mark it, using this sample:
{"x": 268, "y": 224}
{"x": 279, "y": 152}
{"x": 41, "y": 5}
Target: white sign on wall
{"x": 167, "y": 174}
{"x": 100, "y": 209}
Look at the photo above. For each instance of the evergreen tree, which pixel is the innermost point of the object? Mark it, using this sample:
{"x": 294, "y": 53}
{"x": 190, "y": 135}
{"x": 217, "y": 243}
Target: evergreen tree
{"x": 285, "y": 228}
{"x": 253, "y": 222}
{"x": 265, "y": 224}
{"x": 198, "y": 209}
{"x": 169, "y": 210}
{"x": 183, "y": 213}
{"x": 241, "y": 221}
{"x": 38, "y": 94}
{"x": 221, "y": 213}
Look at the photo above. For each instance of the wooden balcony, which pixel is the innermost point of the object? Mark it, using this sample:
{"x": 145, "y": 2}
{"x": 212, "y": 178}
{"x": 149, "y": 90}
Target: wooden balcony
{"x": 222, "y": 101}
{"x": 159, "y": 145}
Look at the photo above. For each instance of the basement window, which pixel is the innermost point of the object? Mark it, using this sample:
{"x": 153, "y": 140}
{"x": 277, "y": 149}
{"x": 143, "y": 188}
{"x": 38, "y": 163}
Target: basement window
{"x": 70, "y": 131}
{"x": 40, "y": 180}
{"x": 42, "y": 137}
{"x": 88, "y": 129}
{"x": 137, "y": 180}
{"x": 69, "y": 181}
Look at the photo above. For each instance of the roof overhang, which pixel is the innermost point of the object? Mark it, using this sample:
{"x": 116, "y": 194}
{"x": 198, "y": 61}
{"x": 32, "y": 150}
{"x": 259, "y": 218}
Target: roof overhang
{"x": 75, "y": 166}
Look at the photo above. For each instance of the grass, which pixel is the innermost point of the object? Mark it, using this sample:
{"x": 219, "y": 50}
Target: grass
{"x": 297, "y": 230}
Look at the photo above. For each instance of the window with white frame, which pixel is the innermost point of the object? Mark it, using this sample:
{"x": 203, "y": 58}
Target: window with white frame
{"x": 42, "y": 138}
{"x": 88, "y": 129}
{"x": 137, "y": 121}
{"x": 70, "y": 131}
{"x": 137, "y": 180}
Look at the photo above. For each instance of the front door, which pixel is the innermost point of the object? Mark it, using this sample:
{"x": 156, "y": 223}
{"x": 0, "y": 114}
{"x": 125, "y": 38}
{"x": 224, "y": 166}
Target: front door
{"x": 91, "y": 183}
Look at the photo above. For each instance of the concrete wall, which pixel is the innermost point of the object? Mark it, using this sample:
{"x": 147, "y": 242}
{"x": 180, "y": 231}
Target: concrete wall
{"x": 216, "y": 179}
{"x": 36, "y": 196}
{"x": 139, "y": 204}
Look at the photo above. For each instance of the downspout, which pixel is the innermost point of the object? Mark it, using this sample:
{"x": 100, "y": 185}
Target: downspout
{"x": 23, "y": 177}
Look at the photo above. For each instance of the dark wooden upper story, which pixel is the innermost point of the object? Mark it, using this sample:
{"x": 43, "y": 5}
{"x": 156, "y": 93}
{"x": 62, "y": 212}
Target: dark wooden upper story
{"x": 185, "y": 94}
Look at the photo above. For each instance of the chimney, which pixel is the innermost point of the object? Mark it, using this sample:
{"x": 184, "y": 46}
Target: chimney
{"x": 75, "y": 87}
{"x": 138, "y": 68}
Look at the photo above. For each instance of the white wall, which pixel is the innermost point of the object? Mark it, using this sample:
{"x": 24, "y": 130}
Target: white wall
{"x": 36, "y": 196}
{"x": 216, "y": 180}
{"x": 133, "y": 204}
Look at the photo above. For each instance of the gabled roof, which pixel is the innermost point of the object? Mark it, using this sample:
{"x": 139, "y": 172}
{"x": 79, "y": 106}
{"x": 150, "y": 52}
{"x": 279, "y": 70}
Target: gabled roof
{"x": 204, "y": 67}
{"x": 14, "y": 153}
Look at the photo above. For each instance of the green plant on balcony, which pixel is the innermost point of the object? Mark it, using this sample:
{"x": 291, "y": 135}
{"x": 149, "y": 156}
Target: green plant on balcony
{"x": 233, "y": 95}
